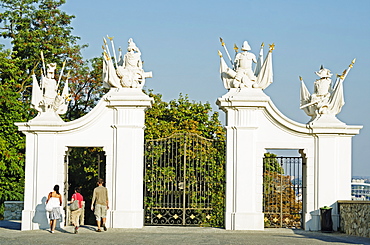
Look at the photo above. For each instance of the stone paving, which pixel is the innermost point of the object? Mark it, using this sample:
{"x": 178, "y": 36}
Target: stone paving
{"x": 10, "y": 234}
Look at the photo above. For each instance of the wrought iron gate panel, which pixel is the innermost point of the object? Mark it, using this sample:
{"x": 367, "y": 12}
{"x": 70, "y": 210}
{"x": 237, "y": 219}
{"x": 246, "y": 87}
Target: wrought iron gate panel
{"x": 282, "y": 192}
{"x": 178, "y": 182}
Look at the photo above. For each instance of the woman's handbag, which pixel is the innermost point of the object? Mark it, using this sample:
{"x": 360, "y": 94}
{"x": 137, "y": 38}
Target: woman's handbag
{"x": 74, "y": 206}
{"x": 49, "y": 207}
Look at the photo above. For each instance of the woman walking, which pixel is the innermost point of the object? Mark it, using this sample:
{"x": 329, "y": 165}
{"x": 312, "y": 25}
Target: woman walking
{"x": 75, "y": 214}
{"x": 55, "y": 201}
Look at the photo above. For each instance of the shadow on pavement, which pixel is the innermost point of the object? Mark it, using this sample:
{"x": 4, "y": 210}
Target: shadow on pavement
{"x": 11, "y": 224}
{"x": 88, "y": 228}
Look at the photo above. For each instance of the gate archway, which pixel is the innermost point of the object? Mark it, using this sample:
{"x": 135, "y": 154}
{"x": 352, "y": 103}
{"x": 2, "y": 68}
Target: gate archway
{"x": 84, "y": 166}
{"x": 283, "y": 187}
{"x": 183, "y": 180}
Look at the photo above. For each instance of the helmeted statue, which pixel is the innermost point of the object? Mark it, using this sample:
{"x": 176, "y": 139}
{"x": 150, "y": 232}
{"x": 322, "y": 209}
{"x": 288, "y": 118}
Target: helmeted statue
{"x": 50, "y": 86}
{"x": 326, "y": 99}
{"x": 241, "y": 75}
{"x": 47, "y": 98}
{"x": 244, "y": 76}
{"x": 128, "y": 71}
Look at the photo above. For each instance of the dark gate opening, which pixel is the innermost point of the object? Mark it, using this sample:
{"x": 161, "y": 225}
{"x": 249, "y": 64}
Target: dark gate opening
{"x": 184, "y": 181}
{"x": 84, "y": 165}
{"x": 283, "y": 191}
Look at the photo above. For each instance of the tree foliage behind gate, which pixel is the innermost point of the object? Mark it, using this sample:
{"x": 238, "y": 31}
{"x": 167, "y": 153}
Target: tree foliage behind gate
{"x": 182, "y": 116}
{"x": 281, "y": 205}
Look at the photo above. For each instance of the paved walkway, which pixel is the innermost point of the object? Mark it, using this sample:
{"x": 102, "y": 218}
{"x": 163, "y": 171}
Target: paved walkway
{"x": 10, "y": 234}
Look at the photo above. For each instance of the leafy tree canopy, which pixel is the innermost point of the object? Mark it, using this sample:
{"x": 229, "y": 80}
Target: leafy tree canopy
{"x": 179, "y": 115}
{"x": 270, "y": 163}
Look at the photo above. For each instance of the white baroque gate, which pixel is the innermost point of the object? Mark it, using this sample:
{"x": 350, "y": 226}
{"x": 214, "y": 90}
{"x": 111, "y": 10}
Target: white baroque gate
{"x": 253, "y": 125}
{"x": 117, "y": 125}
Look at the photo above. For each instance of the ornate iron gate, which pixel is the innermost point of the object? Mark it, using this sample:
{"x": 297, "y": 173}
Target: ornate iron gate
{"x": 283, "y": 191}
{"x": 180, "y": 179}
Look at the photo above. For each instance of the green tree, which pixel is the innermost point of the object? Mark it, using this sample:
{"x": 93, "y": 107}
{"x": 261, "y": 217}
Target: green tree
{"x": 181, "y": 115}
{"x": 11, "y": 148}
{"x": 271, "y": 163}
{"x": 11, "y": 141}
{"x": 87, "y": 88}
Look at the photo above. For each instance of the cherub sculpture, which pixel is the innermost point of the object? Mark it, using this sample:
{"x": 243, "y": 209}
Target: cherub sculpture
{"x": 326, "y": 99}
{"x": 241, "y": 75}
{"x": 128, "y": 71}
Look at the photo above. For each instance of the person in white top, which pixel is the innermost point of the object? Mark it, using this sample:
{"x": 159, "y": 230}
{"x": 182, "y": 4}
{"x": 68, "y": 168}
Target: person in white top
{"x": 55, "y": 200}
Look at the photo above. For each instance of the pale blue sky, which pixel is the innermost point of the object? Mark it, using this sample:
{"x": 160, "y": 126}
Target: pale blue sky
{"x": 179, "y": 42}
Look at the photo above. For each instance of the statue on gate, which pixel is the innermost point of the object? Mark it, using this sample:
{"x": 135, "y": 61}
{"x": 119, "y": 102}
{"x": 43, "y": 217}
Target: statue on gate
{"x": 327, "y": 99}
{"x": 47, "y": 98}
{"x": 243, "y": 67}
{"x": 128, "y": 71}
{"x": 241, "y": 75}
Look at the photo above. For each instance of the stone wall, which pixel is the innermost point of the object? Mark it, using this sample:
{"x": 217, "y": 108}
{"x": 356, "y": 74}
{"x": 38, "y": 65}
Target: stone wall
{"x": 355, "y": 217}
{"x": 13, "y": 210}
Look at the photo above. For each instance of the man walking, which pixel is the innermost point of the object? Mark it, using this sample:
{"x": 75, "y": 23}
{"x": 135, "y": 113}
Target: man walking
{"x": 100, "y": 198}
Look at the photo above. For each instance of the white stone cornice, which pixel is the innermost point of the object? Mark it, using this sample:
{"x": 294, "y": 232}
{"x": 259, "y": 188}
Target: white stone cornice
{"x": 128, "y": 97}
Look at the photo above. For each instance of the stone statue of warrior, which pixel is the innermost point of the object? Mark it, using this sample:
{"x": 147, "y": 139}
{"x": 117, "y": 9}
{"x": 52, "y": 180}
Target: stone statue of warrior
{"x": 47, "y": 98}
{"x": 128, "y": 71}
{"x": 131, "y": 72}
{"x": 244, "y": 76}
{"x": 241, "y": 75}
{"x": 327, "y": 99}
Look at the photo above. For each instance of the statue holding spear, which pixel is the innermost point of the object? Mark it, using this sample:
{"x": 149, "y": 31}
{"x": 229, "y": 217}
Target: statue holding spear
{"x": 47, "y": 98}
{"x": 241, "y": 75}
{"x": 326, "y": 99}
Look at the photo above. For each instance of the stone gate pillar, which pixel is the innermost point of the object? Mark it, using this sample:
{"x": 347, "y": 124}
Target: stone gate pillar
{"x": 43, "y": 170}
{"x": 128, "y": 105}
{"x": 243, "y": 176}
{"x": 331, "y": 168}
